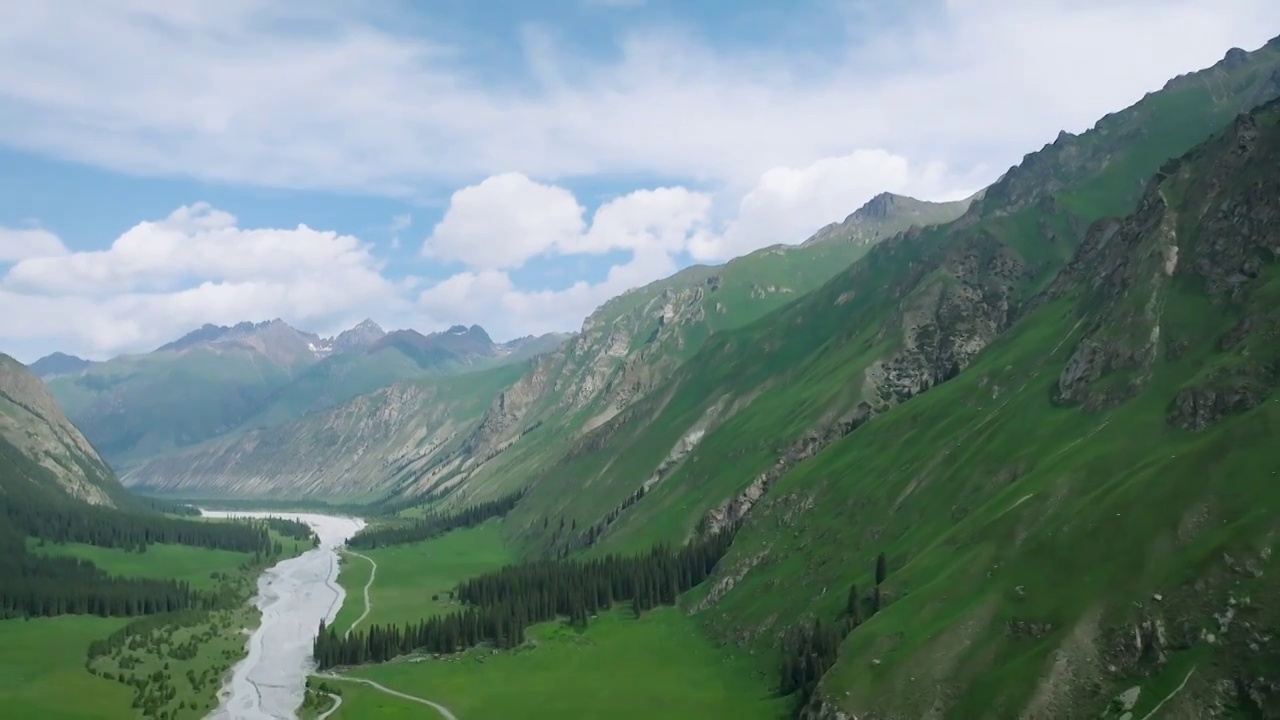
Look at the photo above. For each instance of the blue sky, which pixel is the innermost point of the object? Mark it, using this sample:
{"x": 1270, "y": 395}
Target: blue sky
{"x": 169, "y": 163}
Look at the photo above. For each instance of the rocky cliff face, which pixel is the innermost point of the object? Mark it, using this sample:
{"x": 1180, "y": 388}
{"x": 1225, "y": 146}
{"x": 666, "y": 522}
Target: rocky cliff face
{"x": 32, "y": 422}
{"x": 1209, "y": 220}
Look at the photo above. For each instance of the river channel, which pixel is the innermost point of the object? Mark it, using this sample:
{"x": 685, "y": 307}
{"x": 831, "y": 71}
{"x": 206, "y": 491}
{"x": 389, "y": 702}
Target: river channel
{"x": 294, "y": 595}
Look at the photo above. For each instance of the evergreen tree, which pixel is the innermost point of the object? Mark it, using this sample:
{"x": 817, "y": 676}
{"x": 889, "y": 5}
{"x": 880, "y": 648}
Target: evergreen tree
{"x": 853, "y": 608}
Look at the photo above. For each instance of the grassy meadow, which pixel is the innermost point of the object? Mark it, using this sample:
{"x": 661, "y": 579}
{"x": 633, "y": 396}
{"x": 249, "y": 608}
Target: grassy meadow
{"x": 42, "y": 672}
{"x": 661, "y": 665}
{"x": 172, "y": 664}
{"x": 197, "y": 566}
{"x": 410, "y": 575}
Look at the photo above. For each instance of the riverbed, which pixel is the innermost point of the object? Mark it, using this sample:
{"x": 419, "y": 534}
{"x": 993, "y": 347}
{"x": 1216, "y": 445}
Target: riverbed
{"x": 294, "y": 595}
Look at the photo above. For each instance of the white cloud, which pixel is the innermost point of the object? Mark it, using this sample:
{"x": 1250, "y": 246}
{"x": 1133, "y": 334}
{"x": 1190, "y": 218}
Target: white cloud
{"x": 785, "y": 140}
{"x": 788, "y": 204}
{"x": 353, "y": 105}
{"x": 160, "y": 279}
{"x": 493, "y": 299}
{"x": 22, "y": 243}
{"x": 504, "y": 221}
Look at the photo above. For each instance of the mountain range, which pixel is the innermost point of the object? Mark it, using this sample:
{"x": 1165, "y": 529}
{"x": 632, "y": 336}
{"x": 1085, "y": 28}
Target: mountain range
{"x": 1049, "y": 408}
{"x": 220, "y": 380}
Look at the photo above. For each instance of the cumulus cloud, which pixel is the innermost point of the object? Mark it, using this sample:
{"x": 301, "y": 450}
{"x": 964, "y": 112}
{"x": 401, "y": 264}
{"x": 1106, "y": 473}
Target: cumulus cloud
{"x": 502, "y": 222}
{"x": 161, "y": 278}
{"x": 22, "y": 243}
{"x": 508, "y": 310}
{"x": 789, "y": 204}
{"x": 507, "y": 219}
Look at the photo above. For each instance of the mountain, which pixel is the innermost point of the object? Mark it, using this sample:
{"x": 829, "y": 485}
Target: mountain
{"x": 625, "y": 348}
{"x": 220, "y": 380}
{"x": 392, "y": 357}
{"x": 1053, "y": 415}
{"x": 42, "y": 446}
{"x": 886, "y": 214}
{"x": 58, "y": 364}
{"x": 355, "y": 450}
{"x": 361, "y": 337}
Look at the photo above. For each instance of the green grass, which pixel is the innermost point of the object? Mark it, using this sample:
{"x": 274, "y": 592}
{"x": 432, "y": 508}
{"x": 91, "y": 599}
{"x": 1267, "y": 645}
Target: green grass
{"x": 660, "y": 666}
{"x": 409, "y": 575}
{"x": 196, "y": 566}
{"x": 192, "y": 683}
{"x": 42, "y": 671}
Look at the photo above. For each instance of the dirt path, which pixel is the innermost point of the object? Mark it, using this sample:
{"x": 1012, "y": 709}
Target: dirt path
{"x": 1169, "y": 697}
{"x": 444, "y": 711}
{"x": 337, "y": 703}
{"x": 367, "y": 605}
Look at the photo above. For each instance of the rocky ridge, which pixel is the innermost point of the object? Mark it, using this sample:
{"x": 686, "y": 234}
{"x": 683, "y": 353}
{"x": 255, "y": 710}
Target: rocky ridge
{"x": 32, "y": 423}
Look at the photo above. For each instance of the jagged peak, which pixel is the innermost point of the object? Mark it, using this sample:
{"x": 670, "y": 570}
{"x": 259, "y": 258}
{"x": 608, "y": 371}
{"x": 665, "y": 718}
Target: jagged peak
{"x": 882, "y": 205}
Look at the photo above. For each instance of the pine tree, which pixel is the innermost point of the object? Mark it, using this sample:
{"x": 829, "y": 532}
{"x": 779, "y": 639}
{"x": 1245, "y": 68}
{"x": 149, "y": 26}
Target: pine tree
{"x": 853, "y": 608}
{"x": 881, "y": 569}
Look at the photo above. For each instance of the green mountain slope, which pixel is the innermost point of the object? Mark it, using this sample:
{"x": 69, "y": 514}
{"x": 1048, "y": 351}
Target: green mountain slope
{"x": 756, "y": 400}
{"x": 633, "y": 344}
{"x": 1088, "y": 508}
{"x": 628, "y": 347}
{"x": 42, "y": 447}
{"x": 355, "y": 450}
{"x": 906, "y": 405}
{"x": 997, "y": 404}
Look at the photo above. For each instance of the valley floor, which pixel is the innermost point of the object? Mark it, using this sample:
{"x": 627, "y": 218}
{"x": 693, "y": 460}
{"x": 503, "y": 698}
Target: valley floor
{"x": 660, "y": 665}
{"x": 43, "y": 671}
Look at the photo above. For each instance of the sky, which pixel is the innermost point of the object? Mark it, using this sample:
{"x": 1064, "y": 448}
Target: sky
{"x": 170, "y": 163}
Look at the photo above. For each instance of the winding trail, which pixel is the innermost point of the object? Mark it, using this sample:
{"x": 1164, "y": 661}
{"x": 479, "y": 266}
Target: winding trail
{"x": 337, "y": 703}
{"x": 444, "y": 711}
{"x": 367, "y": 605}
{"x": 1169, "y": 697}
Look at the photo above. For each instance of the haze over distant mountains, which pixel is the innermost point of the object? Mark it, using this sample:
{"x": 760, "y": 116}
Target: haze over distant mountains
{"x": 218, "y": 379}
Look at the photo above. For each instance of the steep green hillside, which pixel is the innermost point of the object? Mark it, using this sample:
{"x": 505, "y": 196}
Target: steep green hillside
{"x": 34, "y": 428}
{"x": 1016, "y": 465}
{"x": 1089, "y": 508}
{"x": 411, "y": 437}
{"x": 946, "y": 400}
{"x": 632, "y": 345}
{"x": 356, "y": 450}
{"x": 1001, "y": 495}
{"x": 756, "y": 401}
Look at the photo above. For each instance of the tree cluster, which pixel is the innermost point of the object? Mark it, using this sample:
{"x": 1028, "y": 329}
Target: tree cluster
{"x": 810, "y": 650}
{"x": 37, "y": 586}
{"x": 502, "y": 604}
{"x": 295, "y": 529}
{"x": 433, "y": 524}
{"x": 33, "y": 506}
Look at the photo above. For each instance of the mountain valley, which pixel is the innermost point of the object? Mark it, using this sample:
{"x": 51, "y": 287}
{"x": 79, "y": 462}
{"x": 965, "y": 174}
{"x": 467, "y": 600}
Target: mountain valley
{"x": 1009, "y": 456}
